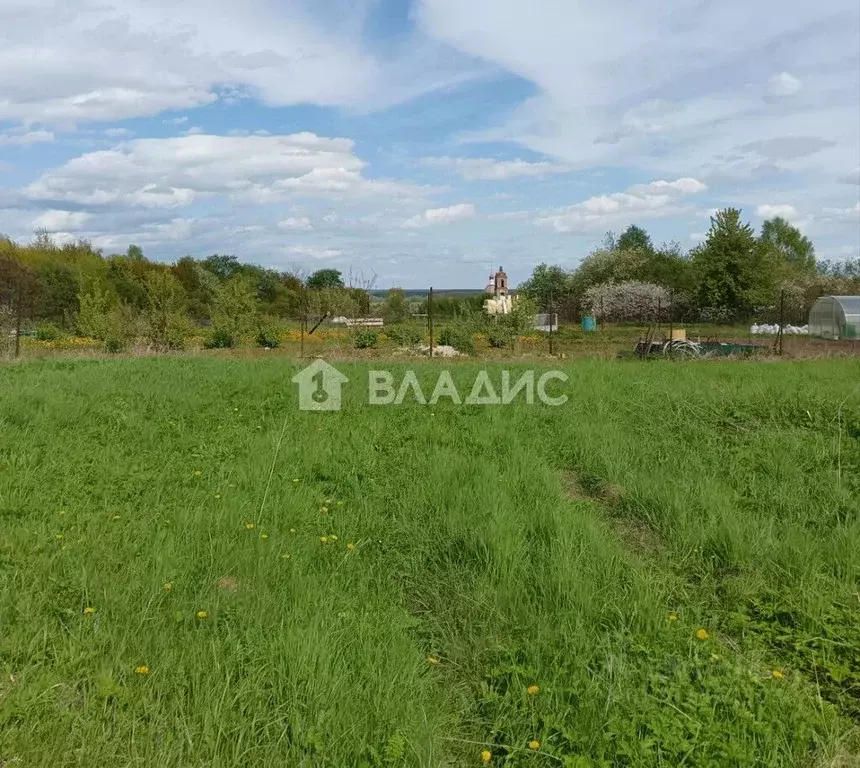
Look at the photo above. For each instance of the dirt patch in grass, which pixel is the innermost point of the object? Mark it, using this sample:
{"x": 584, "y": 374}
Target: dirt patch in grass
{"x": 636, "y": 535}
{"x": 582, "y": 487}
{"x": 572, "y": 487}
{"x": 842, "y": 760}
{"x": 228, "y": 583}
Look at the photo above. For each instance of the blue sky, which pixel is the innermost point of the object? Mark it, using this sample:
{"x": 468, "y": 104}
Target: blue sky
{"x": 424, "y": 141}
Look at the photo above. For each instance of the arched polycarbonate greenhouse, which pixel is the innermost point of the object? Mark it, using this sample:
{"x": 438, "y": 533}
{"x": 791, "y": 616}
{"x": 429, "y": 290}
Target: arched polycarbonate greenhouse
{"x": 835, "y": 317}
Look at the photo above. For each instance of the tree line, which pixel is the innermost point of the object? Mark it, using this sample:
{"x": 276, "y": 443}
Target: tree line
{"x": 734, "y": 273}
{"x": 74, "y": 288}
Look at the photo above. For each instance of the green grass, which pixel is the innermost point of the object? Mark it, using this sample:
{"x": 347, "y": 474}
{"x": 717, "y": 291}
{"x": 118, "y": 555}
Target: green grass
{"x": 516, "y": 546}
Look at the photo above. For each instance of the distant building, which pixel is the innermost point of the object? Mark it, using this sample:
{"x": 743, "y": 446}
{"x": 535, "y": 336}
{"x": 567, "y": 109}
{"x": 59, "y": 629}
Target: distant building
{"x": 502, "y": 302}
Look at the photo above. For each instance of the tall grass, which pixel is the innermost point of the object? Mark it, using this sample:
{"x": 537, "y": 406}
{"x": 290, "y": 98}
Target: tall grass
{"x": 470, "y": 552}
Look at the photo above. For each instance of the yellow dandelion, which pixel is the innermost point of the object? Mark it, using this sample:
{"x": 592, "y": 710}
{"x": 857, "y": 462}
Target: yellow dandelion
{"x": 333, "y": 537}
{"x": 432, "y": 660}
{"x": 323, "y": 510}
{"x": 673, "y": 617}
{"x": 89, "y": 610}
{"x": 264, "y": 536}
{"x": 168, "y": 586}
{"x": 702, "y": 634}
{"x": 202, "y": 614}
{"x": 286, "y": 556}
{"x": 141, "y": 669}
{"x": 777, "y": 674}
{"x": 486, "y": 755}
{"x": 197, "y": 473}
{"x": 249, "y": 526}
{"x": 351, "y": 547}
{"x": 323, "y": 539}
{"x": 295, "y": 480}
{"x": 59, "y": 536}
{"x": 534, "y": 745}
{"x": 533, "y": 689}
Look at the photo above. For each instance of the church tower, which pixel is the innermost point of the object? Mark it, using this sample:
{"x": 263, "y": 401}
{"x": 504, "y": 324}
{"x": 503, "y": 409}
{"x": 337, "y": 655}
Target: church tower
{"x": 500, "y": 283}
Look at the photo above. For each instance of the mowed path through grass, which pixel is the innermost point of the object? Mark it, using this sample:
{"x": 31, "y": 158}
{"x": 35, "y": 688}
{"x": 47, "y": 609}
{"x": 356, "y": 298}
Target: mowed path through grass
{"x": 663, "y": 571}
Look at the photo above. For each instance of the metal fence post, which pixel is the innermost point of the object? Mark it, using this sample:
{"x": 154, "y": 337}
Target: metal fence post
{"x": 430, "y": 317}
{"x": 781, "y": 318}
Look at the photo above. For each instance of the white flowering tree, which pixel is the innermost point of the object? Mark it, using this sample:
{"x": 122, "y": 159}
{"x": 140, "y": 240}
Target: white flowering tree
{"x": 628, "y": 302}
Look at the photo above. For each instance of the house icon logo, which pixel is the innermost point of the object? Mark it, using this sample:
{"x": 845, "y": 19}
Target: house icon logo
{"x": 319, "y": 386}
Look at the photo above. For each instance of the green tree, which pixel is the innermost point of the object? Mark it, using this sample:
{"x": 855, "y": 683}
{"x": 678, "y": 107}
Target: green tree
{"x": 634, "y": 238}
{"x": 199, "y": 284}
{"x": 670, "y": 267}
{"x": 57, "y": 294}
{"x": 19, "y": 286}
{"x": 325, "y": 278}
{"x": 549, "y": 285}
{"x": 95, "y": 306}
{"x": 235, "y": 310}
{"x": 730, "y": 265}
{"x": 602, "y": 266}
{"x": 166, "y": 311}
{"x": 395, "y": 308}
{"x": 790, "y": 244}
{"x": 128, "y": 277}
{"x": 101, "y": 317}
{"x": 223, "y": 267}
{"x": 360, "y": 299}
{"x": 285, "y": 300}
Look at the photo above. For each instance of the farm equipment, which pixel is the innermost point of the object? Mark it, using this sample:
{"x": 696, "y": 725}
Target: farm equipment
{"x": 684, "y": 348}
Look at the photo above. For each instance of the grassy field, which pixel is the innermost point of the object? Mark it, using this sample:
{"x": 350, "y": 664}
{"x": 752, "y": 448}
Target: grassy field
{"x": 664, "y": 571}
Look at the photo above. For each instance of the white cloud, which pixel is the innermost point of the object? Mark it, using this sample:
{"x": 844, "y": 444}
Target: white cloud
{"x": 61, "y": 221}
{"x": 488, "y": 169}
{"x": 697, "y": 237}
{"x": 671, "y": 88}
{"x": 654, "y": 200}
{"x": 511, "y": 216}
{"x": 842, "y": 215}
{"x": 851, "y": 178}
{"x": 302, "y": 223}
{"x": 680, "y": 186}
{"x": 176, "y": 229}
{"x": 177, "y": 120}
{"x": 76, "y": 60}
{"x": 648, "y": 118}
{"x": 315, "y": 251}
{"x": 26, "y": 137}
{"x": 784, "y": 211}
{"x": 783, "y": 85}
{"x": 118, "y": 133}
{"x": 433, "y": 216}
{"x": 174, "y": 172}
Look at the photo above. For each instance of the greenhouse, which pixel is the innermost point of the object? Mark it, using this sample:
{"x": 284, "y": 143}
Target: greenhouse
{"x": 835, "y": 317}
